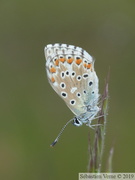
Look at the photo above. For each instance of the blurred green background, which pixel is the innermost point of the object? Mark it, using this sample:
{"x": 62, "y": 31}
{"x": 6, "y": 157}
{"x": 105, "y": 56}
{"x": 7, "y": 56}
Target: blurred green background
{"x": 32, "y": 114}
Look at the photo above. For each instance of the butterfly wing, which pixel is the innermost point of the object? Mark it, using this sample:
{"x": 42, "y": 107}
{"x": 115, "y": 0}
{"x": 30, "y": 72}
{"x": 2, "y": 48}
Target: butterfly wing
{"x": 71, "y": 74}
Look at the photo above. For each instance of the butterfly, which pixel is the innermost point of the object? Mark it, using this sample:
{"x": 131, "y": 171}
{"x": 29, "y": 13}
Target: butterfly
{"x": 70, "y": 72}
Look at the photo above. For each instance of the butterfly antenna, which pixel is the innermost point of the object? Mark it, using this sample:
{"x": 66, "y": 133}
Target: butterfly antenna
{"x": 57, "y": 138}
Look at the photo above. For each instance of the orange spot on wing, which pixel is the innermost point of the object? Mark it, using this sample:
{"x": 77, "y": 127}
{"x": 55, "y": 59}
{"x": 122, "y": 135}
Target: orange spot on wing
{"x": 89, "y": 66}
{"x": 78, "y": 61}
{"x": 56, "y": 62}
{"x": 70, "y": 60}
{"x": 52, "y": 79}
{"x": 85, "y": 65}
{"x": 62, "y": 59}
{"x": 52, "y": 70}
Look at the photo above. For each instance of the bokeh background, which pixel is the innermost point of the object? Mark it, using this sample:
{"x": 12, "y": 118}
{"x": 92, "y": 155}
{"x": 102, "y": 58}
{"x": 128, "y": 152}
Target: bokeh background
{"x": 32, "y": 114}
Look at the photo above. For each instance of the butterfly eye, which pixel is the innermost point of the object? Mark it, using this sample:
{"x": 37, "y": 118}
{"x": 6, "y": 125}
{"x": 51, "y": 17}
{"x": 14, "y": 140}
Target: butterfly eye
{"x": 77, "y": 122}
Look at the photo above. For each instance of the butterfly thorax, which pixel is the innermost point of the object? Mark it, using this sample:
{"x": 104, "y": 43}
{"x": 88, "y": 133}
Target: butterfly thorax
{"x": 87, "y": 117}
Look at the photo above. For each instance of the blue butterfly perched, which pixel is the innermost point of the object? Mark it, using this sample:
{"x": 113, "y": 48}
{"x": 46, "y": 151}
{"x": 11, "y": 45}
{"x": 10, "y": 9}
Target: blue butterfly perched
{"x": 70, "y": 71}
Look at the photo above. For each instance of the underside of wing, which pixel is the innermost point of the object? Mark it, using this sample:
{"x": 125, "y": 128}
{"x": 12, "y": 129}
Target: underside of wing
{"x": 70, "y": 72}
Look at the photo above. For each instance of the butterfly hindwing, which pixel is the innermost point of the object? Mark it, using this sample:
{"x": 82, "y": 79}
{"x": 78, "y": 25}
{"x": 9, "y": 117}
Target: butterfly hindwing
{"x": 70, "y": 72}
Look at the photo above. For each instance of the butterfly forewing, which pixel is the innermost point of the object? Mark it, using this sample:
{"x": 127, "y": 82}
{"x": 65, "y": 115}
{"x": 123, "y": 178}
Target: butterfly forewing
{"x": 70, "y": 72}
